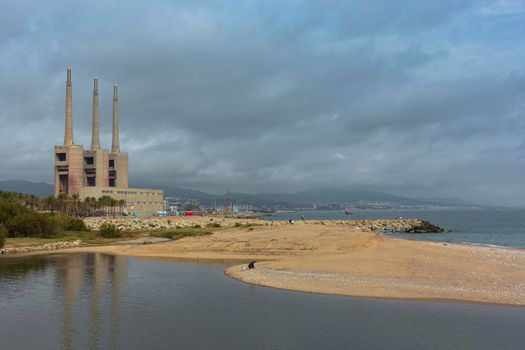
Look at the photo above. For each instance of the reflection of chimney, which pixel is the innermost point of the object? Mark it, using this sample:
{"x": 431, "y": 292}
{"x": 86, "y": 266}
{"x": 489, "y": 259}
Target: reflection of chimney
{"x": 115, "y": 147}
{"x": 95, "y": 137}
{"x": 69, "y": 279}
{"x": 118, "y": 269}
{"x": 68, "y": 136}
{"x": 100, "y": 266}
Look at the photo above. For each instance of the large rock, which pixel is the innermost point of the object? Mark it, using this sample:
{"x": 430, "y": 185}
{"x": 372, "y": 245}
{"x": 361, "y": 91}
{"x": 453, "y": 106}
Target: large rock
{"x": 397, "y": 226}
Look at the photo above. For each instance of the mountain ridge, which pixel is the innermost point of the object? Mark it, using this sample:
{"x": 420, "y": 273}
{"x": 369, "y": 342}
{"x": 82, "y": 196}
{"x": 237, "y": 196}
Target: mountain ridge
{"x": 305, "y": 198}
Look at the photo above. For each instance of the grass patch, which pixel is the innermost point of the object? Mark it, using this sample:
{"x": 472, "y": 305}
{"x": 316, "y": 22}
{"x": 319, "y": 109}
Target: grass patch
{"x": 87, "y": 237}
{"x": 246, "y": 225}
{"x": 68, "y": 236}
{"x": 182, "y": 232}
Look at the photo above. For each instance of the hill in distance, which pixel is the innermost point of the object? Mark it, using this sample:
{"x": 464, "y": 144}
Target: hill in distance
{"x": 320, "y": 196}
{"x": 39, "y": 189}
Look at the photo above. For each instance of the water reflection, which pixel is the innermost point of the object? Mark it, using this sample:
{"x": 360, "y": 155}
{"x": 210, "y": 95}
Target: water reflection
{"x": 99, "y": 275}
{"x": 68, "y": 281}
{"x": 15, "y": 268}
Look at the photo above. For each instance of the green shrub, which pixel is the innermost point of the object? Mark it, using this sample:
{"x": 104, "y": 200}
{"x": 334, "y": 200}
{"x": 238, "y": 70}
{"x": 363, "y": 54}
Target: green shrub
{"x": 69, "y": 223}
{"x": 211, "y": 224}
{"x": 75, "y": 224}
{"x": 109, "y": 231}
{"x": 8, "y": 210}
{"x": 32, "y": 225}
{"x": 3, "y": 235}
{"x": 196, "y": 226}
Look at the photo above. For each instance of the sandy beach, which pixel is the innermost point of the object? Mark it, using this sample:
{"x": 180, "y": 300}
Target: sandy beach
{"x": 340, "y": 259}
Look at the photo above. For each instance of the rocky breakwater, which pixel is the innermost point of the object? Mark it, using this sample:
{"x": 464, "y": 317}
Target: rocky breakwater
{"x": 397, "y": 226}
{"x": 133, "y": 224}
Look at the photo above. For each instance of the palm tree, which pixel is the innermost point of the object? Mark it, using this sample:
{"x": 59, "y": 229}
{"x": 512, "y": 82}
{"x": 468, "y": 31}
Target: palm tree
{"x": 75, "y": 204}
{"x": 62, "y": 202}
{"x": 50, "y": 203}
{"x": 93, "y": 204}
{"x": 114, "y": 204}
{"x": 87, "y": 206}
{"x": 121, "y": 204}
{"x": 105, "y": 202}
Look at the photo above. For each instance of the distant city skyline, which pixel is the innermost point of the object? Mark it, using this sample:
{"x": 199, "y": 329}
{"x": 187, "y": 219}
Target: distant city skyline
{"x": 413, "y": 98}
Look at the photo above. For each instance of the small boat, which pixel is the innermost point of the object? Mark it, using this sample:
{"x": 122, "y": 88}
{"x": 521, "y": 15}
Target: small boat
{"x": 348, "y": 211}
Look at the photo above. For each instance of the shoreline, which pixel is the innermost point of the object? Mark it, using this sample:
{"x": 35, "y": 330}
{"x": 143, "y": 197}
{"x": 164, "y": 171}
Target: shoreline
{"x": 342, "y": 260}
{"x": 431, "y": 300}
{"x": 443, "y": 243}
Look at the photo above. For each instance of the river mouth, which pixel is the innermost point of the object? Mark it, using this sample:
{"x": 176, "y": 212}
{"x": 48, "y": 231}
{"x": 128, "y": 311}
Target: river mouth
{"x": 99, "y": 301}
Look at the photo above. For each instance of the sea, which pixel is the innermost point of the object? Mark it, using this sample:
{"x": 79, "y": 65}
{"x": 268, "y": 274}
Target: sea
{"x": 491, "y": 227}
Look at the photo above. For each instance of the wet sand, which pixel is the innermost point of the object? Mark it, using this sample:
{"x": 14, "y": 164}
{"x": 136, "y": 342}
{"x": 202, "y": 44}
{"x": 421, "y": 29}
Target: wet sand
{"x": 340, "y": 259}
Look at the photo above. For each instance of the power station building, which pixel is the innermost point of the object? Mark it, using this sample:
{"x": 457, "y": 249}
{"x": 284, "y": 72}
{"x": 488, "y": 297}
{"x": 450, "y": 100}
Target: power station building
{"x": 98, "y": 172}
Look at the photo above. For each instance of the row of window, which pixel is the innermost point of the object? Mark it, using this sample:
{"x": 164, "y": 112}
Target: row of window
{"x": 132, "y": 192}
{"x": 135, "y": 203}
{"x": 89, "y": 160}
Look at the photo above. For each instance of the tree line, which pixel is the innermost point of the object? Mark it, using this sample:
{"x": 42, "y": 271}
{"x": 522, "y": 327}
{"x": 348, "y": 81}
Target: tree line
{"x": 69, "y": 205}
{"x": 25, "y": 215}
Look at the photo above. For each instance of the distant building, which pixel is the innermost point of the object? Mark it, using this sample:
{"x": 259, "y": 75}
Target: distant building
{"x": 98, "y": 172}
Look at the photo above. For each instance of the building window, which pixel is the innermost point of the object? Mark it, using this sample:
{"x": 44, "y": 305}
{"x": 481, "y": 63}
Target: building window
{"x": 111, "y": 163}
{"x": 61, "y": 157}
{"x": 89, "y": 160}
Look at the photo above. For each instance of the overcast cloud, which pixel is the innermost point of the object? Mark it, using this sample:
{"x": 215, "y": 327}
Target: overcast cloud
{"x": 420, "y": 98}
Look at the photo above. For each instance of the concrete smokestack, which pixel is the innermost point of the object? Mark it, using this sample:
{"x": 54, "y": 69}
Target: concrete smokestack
{"x": 68, "y": 136}
{"x": 115, "y": 146}
{"x": 95, "y": 136}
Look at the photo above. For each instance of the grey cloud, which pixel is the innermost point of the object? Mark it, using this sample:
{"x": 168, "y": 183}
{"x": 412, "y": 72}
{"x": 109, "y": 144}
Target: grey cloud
{"x": 275, "y": 95}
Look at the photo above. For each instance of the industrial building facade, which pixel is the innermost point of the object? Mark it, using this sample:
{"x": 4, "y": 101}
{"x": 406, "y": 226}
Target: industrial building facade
{"x": 98, "y": 172}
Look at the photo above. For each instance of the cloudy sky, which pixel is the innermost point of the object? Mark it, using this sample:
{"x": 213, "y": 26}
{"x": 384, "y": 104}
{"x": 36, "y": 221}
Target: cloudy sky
{"x": 412, "y": 97}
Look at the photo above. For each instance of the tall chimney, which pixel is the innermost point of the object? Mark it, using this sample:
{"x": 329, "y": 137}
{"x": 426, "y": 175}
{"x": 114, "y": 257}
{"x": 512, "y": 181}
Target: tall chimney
{"x": 95, "y": 136}
{"x": 115, "y": 147}
{"x": 68, "y": 136}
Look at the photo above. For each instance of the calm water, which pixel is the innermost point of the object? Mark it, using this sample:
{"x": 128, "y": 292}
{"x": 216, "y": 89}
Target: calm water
{"x": 95, "y": 301}
{"x": 492, "y": 227}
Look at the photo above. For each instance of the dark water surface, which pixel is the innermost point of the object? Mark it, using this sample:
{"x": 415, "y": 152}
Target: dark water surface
{"x": 96, "y": 301}
{"x": 504, "y": 228}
